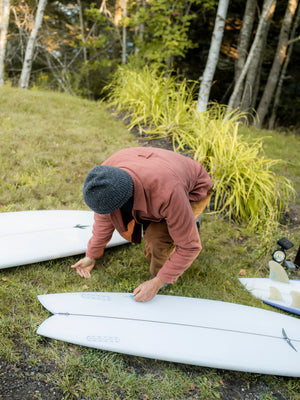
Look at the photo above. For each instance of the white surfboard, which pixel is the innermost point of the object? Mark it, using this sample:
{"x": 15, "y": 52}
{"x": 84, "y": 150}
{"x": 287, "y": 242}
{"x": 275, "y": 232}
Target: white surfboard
{"x": 31, "y": 236}
{"x": 277, "y": 290}
{"x": 186, "y": 330}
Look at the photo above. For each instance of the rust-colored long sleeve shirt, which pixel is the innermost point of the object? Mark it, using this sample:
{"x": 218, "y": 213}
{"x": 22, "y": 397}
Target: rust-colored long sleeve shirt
{"x": 165, "y": 183}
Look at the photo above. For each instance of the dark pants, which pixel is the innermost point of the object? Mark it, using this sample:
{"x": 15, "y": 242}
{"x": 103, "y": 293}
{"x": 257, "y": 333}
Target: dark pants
{"x": 159, "y": 245}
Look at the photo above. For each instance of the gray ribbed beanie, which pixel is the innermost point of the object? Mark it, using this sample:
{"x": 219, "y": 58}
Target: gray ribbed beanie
{"x": 107, "y": 188}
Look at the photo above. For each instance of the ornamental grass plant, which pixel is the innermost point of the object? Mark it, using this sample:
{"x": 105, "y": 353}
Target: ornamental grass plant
{"x": 153, "y": 101}
{"x": 247, "y": 190}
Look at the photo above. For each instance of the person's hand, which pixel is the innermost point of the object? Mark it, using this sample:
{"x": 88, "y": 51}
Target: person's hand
{"x": 84, "y": 266}
{"x": 147, "y": 290}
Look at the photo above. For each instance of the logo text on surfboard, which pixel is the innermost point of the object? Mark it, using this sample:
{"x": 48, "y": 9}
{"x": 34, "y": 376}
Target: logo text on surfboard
{"x": 95, "y": 296}
{"x": 103, "y": 339}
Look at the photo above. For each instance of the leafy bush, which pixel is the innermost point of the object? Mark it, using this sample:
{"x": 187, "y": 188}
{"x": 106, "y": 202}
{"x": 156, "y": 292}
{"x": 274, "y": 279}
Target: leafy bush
{"x": 246, "y": 188}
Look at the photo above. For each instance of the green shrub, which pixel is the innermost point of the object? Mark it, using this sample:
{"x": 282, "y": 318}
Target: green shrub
{"x": 246, "y": 189}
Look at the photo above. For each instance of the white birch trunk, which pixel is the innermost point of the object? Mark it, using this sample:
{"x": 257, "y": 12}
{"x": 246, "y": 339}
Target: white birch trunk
{"x": 27, "y": 64}
{"x": 277, "y": 63}
{"x": 4, "y": 19}
{"x": 261, "y": 26}
{"x": 213, "y": 56}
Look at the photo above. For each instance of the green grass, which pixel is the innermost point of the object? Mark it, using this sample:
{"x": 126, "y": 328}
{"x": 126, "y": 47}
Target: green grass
{"x": 48, "y": 144}
{"x": 282, "y": 146}
{"x": 49, "y": 141}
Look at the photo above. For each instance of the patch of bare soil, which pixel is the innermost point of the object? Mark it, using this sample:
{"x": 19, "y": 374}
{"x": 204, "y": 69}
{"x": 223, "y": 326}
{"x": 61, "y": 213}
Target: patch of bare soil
{"x": 24, "y": 382}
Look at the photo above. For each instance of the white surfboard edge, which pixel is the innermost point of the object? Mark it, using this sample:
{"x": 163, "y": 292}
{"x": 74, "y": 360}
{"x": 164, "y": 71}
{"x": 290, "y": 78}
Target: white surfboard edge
{"x": 277, "y": 290}
{"x": 199, "y": 332}
{"x": 28, "y": 237}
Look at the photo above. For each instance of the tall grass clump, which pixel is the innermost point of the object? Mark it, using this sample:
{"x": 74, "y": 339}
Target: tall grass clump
{"x": 150, "y": 99}
{"x": 246, "y": 188}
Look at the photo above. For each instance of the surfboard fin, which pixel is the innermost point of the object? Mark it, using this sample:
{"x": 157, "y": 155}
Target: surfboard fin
{"x": 295, "y": 299}
{"x": 275, "y": 294}
{"x": 287, "y": 339}
{"x": 277, "y": 273}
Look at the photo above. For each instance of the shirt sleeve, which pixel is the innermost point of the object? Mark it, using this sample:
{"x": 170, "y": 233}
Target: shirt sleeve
{"x": 102, "y": 233}
{"x": 183, "y": 230}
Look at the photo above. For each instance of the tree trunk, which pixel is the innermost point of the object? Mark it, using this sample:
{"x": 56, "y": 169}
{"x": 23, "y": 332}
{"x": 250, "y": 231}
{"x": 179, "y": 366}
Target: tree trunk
{"x": 139, "y": 30}
{"x": 269, "y": 6}
{"x": 277, "y": 63}
{"x": 81, "y": 20}
{"x": 124, "y": 33}
{"x": 252, "y": 80}
{"x": 4, "y": 19}
{"x": 27, "y": 64}
{"x": 243, "y": 43}
{"x": 283, "y": 71}
{"x": 213, "y": 56}
{"x": 83, "y": 38}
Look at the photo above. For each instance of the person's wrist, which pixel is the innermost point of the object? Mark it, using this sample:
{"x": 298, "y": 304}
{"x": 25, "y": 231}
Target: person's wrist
{"x": 91, "y": 259}
{"x": 159, "y": 282}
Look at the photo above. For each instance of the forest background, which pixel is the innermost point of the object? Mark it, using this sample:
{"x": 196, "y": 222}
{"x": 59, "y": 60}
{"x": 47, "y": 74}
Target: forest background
{"x": 242, "y": 53}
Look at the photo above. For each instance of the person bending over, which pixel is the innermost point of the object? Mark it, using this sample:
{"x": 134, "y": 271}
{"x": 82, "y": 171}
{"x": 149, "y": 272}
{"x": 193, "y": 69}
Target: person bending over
{"x": 153, "y": 193}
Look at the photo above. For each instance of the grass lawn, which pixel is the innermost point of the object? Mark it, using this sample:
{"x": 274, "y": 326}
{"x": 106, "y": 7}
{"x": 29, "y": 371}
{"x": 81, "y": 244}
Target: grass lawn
{"x": 49, "y": 141}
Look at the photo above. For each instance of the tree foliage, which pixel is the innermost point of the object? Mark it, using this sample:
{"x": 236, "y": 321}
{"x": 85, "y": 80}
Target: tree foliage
{"x": 165, "y": 30}
{"x": 81, "y": 43}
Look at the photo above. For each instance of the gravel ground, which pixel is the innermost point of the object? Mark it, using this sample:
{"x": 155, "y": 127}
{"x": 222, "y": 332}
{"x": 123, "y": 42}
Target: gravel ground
{"x": 24, "y": 382}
